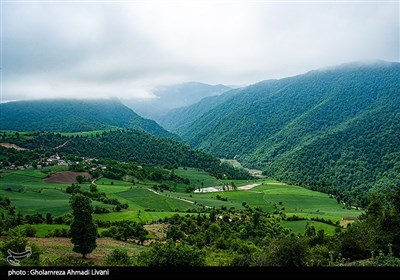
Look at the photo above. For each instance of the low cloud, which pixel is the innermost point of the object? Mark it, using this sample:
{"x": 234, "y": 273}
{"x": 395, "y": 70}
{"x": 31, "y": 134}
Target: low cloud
{"x": 126, "y": 49}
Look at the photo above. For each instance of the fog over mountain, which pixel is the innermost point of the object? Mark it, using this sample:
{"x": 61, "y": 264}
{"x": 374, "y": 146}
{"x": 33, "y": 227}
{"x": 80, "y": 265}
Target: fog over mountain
{"x": 128, "y": 49}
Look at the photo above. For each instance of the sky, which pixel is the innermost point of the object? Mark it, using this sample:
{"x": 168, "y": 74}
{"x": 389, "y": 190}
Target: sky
{"x": 126, "y": 49}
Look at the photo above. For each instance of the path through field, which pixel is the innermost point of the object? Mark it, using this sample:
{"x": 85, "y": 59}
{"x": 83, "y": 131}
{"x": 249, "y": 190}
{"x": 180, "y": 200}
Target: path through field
{"x": 62, "y": 145}
{"x": 12, "y": 146}
{"x": 177, "y": 198}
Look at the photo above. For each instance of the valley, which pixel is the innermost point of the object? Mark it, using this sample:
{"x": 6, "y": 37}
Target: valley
{"x": 301, "y": 171}
{"x": 27, "y": 189}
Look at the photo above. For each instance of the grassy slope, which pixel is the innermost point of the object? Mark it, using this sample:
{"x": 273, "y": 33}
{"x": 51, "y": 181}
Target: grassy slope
{"x": 54, "y": 248}
{"x": 299, "y": 226}
{"x": 37, "y": 196}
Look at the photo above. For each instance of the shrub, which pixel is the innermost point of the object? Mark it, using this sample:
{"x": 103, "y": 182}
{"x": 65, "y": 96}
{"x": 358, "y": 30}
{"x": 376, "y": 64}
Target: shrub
{"x": 118, "y": 257}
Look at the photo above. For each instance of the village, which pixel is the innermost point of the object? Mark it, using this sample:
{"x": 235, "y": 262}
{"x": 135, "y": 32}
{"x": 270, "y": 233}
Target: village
{"x": 56, "y": 160}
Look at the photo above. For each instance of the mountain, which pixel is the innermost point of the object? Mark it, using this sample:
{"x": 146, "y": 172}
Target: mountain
{"x": 338, "y": 126}
{"x": 178, "y": 119}
{"x": 130, "y": 145}
{"x": 171, "y": 97}
{"x": 71, "y": 115}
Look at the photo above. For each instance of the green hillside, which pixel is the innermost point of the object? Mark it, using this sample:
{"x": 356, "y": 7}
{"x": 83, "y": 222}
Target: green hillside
{"x": 69, "y": 115}
{"x": 123, "y": 145}
{"x": 337, "y": 127}
{"x": 178, "y": 119}
{"x": 30, "y": 194}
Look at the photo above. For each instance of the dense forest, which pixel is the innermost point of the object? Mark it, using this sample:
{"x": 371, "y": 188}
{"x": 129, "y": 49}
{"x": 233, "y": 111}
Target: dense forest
{"x": 69, "y": 115}
{"x": 131, "y": 146}
{"x": 178, "y": 119}
{"x": 337, "y": 127}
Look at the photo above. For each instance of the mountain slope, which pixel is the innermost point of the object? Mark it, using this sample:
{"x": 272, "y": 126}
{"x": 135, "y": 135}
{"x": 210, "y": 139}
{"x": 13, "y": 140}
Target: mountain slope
{"x": 178, "y": 119}
{"x": 337, "y": 126}
{"x": 130, "y": 145}
{"x": 171, "y": 97}
{"x": 70, "y": 115}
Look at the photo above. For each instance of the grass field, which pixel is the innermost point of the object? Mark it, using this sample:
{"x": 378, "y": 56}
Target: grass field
{"x": 197, "y": 177}
{"x": 43, "y": 229}
{"x": 10, "y": 134}
{"x": 30, "y": 195}
{"x": 90, "y": 133}
{"x": 56, "y": 247}
{"x": 300, "y": 226}
{"x": 272, "y": 196}
{"x": 25, "y": 135}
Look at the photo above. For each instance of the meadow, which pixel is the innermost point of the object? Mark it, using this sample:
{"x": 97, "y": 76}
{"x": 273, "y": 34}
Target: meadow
{"x": 30, "y": 194}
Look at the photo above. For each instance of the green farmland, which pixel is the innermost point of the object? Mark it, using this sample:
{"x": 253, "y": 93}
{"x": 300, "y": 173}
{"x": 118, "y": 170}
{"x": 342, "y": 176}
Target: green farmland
{"x": 30, "y": 194}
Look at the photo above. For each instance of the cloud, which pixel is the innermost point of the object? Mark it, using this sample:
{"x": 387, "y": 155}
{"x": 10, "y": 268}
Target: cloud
{"x": 95, "y": 49}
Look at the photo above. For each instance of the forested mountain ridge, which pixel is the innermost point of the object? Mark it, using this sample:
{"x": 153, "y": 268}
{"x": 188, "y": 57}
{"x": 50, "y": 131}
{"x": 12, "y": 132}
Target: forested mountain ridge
{"x": 132, "y": 145}
{"x": 71, "y": 115}
{"x": 169, "y": 97}
{"x": 336, "y": 127}
{"x": 178, "y": 119}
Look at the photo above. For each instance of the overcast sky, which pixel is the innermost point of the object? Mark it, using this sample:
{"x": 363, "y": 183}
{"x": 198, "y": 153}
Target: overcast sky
{"x": 96, "y": 49}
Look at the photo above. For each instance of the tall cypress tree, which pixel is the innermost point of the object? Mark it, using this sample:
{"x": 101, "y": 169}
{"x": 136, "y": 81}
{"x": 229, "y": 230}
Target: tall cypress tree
{"x": 83, "y": 229}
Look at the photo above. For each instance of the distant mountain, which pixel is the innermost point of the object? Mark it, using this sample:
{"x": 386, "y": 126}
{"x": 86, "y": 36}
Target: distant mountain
{"x": 338, "y": 126}
{"x": 178, "y": 119}
{"x": 71, "y": 115}
{"x": 171, "y": 97}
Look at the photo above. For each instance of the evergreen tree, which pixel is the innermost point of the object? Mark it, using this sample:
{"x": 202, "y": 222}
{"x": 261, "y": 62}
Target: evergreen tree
{"x": 83, "y": 229}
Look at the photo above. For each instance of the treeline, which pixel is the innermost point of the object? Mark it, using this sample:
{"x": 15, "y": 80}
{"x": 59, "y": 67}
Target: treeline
{"x": 95, "y": 195}
{"x": 18, "y": 158}
{"x": 73, "y": 115}
{"x": 129, "y": 171}
{"x": 135, "y": 146}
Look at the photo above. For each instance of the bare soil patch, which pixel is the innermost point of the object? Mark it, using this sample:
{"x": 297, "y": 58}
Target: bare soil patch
{"x": 12, "y": 146}
{"x": 220, "y": 188}
{"x": 66, "y": 177}
{"x": 348, "y": 220}
{"x": 159, "y": 231}
{"x": 248, "y": 187}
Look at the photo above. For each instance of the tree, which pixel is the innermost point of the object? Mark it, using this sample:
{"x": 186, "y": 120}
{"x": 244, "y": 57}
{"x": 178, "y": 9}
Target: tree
{"x": 93, "y": 188}
{"x": 80, "y": 179}
{"x": 49, "y": 218}
{"x": 141, "y": 233}
{"x": 310, "y": 230}
{"x": 174, "y": 233}
{"x": 17, "y": 242}
{"x": 126, "y": 232}
{"x": 83, "y": 230}
{"x": 118, "y": 257}
{"x": 289, "y": 251}
{"x": 172, "y": 255}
